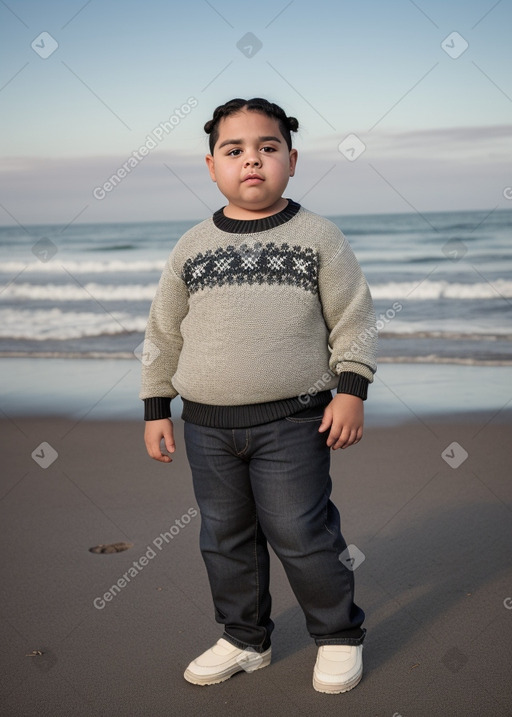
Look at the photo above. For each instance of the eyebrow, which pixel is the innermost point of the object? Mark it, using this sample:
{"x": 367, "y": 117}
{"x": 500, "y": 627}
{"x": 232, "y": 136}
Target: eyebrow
{"x": 269, "y": 138}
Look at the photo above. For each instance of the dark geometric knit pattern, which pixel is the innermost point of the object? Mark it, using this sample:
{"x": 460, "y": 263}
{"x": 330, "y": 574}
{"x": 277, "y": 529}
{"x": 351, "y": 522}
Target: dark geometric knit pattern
{"x": 253, "y": 264}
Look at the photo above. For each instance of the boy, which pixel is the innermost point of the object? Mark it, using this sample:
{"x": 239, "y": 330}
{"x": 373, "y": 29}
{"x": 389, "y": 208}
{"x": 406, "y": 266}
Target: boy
{"x": 257, "y": 317}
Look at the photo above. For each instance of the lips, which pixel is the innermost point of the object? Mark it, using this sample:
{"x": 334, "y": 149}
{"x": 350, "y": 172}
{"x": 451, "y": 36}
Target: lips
{"x": 253, "y": 176}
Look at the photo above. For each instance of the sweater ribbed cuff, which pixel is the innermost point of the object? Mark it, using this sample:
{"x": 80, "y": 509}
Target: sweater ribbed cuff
{"x": 157, "y": 408}
{"x": 354, "y": 384}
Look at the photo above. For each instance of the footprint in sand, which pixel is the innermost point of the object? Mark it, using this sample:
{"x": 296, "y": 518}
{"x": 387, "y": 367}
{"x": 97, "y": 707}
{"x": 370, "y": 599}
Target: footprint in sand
{"x": 112, "y": 548}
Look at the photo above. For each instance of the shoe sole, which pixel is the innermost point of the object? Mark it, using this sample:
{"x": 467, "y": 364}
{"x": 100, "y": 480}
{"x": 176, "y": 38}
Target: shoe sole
{"x": 204, "y": 680}
{"x": 336, "y": 689}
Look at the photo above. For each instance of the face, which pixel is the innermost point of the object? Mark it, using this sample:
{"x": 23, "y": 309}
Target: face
{"x": 251, "y": 164}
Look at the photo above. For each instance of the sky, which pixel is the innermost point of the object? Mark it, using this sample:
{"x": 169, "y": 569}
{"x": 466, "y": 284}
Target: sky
{"x": 402, "y": 106}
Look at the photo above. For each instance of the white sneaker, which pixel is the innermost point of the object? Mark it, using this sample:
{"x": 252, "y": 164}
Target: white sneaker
{"x": 222, "y": 661}
{"x": 338, "y": 668}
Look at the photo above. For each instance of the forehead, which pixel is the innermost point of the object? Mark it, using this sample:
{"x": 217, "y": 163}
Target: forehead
{"x": 246, "y": 123}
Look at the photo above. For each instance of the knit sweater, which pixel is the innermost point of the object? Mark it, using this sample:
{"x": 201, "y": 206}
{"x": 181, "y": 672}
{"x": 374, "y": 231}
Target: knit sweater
{"x": 257, "y": 319}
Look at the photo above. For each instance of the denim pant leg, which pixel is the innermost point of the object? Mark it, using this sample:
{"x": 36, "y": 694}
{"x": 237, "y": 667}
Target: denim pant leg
{"x": 233, "y": 546}
{"x": 289, "y": 472}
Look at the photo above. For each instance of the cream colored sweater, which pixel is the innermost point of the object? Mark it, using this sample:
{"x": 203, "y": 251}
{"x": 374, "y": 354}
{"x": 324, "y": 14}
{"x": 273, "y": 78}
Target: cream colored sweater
{"x": 246, "y": 314}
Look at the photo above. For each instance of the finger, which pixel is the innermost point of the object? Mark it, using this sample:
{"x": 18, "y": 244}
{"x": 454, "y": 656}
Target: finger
{"x": 154, "y": 451}
{"x": 345, "y": 439}
{"x": 334, "y": 435}
{"x": 158, "y": 455}
{"x": 326, "y": 420}
{"x": 166, "y": 444}
{"x": 168, "y": 435}
{"x": 351, "y": 440}
{"x": 169, "y": 444}
{"x": 161, "y": 450}
{"x": 358, "y": 434}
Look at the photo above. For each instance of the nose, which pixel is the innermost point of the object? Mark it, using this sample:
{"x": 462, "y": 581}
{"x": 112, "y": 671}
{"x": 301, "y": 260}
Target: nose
{"x": 252, "y": 162}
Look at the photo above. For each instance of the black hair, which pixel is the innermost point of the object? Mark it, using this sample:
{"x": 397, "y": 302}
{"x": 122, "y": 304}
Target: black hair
{"x": 257, "y": 104}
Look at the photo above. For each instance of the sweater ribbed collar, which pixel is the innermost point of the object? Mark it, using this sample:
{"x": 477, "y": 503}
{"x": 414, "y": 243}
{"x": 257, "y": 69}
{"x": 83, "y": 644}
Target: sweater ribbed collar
{"x": 251, "y": 226}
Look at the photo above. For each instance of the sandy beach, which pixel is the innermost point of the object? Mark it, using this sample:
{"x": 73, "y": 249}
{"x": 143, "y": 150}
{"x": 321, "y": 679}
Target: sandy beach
{"x": 425, "y": 501}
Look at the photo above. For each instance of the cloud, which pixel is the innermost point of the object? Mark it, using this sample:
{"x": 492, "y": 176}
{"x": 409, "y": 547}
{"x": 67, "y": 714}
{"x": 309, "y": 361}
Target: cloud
{"x": 427, "y": 170}
{"x": 453, "y": 142}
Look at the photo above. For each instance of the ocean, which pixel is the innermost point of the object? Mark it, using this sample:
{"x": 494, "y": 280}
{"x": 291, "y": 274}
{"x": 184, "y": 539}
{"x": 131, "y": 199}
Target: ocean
{"x": 441, "y": 283}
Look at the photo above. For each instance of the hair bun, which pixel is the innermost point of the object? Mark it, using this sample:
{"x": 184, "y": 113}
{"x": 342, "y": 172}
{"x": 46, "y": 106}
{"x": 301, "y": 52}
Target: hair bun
{"x": 293, "y": 124}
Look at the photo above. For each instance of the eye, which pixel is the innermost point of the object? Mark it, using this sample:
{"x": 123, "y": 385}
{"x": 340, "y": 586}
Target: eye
{"x": 269, "y": 149}
{"x": 234, "y": 152}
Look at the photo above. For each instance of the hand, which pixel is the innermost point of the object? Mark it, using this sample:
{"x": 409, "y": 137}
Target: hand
{"x": 154, "y": 432}
{"x": 344, "y": 415}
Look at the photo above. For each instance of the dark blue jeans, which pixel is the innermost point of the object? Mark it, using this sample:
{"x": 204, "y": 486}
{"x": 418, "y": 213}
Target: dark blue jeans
{"x": 271, "y": 483}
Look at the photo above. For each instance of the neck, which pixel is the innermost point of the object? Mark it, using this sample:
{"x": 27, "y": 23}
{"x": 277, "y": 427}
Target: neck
{"x": 235, "y": 212}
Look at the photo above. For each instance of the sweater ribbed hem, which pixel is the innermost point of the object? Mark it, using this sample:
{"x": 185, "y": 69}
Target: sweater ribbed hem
{"x": 353, "y": 383}
{"x": 251, "y": 414}
{"x": 157, "y": 408}
{"x": 252, "y": 226}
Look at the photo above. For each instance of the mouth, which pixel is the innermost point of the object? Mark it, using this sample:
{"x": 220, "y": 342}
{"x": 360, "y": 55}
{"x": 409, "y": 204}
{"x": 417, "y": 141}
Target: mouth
{"x": 253, "y": 178}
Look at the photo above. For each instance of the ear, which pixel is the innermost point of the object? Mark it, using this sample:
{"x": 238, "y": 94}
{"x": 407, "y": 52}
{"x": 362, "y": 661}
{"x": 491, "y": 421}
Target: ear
{"x": 293, "y": 161}
{"x": 210, "y": 163}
